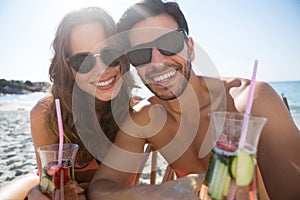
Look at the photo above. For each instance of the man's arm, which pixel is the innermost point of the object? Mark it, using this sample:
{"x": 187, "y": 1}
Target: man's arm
{"x": 116, "y": 169}
{"x": 123, "y": 161}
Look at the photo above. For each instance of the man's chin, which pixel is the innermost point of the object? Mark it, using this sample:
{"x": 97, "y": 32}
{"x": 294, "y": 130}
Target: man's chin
{"x": 165, "y": 96}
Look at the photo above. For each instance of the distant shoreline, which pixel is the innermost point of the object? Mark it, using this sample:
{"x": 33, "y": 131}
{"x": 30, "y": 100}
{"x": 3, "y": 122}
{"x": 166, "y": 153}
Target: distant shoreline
{"x": 22, "y": 87}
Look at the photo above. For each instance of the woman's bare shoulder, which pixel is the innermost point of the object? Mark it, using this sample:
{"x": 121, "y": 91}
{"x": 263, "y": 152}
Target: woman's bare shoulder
{"x": 41, "y": 106}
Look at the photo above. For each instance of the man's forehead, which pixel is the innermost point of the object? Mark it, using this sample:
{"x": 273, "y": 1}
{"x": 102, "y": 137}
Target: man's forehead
{"x": 145, "y": 35}
{"x": 151, "y": 28}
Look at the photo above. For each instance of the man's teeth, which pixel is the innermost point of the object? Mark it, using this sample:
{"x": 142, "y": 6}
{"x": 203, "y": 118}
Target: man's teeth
{"x": 105, "y": 83}
{"x": 164, "y": 77}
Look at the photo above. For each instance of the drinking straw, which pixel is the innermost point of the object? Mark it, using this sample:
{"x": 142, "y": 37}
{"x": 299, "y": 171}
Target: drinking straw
{"x": 61, "y": 131}
{"x": 248, "y": 106}
{"x": 233, "y": 188}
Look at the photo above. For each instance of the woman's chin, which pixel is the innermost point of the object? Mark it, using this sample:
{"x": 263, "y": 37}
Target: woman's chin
{"x": 106, "y": 97}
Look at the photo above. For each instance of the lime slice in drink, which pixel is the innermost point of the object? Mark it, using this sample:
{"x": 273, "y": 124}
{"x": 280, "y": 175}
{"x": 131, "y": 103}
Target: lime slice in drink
{"x": 232, "y": 167}
{"x": 44, "y": 183}
{"x": 51, "y": 187}
{"x": 244, "y": 171}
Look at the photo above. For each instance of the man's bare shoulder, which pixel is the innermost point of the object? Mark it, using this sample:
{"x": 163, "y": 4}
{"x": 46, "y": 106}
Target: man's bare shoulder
{"x": 244, "y": 86}
{"x": 145, "y": 110}
{"x": 238, "y": 86}
{"x": 239, "y": 90}
{"x": 149, "y": 117}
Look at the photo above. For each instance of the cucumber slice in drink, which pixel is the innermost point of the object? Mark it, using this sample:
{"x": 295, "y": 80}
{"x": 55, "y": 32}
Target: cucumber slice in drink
{"x": 219, "y": 184}
{"x": 226, "y": 185}
{"x": 215, "y": 175}
{"x": 232, "y": 167}
{"x": 254, "y": 160}
{"x": 51, "y": 187}
{"x": 44, "y": 183}
{"x": 244, "y": 168}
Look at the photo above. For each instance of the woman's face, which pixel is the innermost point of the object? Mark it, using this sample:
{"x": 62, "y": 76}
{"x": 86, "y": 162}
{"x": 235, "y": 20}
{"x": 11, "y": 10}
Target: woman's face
{"x": 101, "y": 81}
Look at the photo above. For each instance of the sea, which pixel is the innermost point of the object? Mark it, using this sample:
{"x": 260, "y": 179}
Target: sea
{"x": 290, "y": 89}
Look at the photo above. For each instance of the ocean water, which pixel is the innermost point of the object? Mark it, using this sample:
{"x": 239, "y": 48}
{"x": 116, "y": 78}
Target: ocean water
{"x": 14, "y": 102}
{"x": 290, "y": 89}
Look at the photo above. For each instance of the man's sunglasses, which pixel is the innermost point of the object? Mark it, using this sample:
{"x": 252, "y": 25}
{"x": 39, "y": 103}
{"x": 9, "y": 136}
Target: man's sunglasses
{"x": 85, "y": 61}
{"x": 168, "y": 44}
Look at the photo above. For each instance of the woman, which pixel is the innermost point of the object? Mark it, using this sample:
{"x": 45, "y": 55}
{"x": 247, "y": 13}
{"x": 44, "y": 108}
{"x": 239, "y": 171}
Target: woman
{"x": 88, "y": 86}
{"x": 87, "y": 82}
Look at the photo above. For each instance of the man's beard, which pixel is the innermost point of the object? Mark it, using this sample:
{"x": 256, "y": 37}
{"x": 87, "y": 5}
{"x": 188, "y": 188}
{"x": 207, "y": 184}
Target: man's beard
{"x": 173, "y": 94}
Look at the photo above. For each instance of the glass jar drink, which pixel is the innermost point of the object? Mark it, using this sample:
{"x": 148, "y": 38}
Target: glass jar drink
{"x": 232, "y": 170}
{"x": 54, "y": 176}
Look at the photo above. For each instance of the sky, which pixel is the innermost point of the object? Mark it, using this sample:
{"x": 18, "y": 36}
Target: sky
{"x": 232, "y": 33}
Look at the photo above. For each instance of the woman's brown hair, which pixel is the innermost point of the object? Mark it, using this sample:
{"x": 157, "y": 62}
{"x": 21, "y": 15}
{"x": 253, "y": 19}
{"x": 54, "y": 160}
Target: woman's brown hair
{"x": 65, "y": 88}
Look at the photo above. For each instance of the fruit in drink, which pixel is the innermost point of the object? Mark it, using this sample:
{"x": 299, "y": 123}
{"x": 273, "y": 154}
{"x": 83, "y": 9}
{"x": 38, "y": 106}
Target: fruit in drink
{"x": 229, "y": 165}
{"x": 244, "y": 168}
{"x": 53, "y": 176}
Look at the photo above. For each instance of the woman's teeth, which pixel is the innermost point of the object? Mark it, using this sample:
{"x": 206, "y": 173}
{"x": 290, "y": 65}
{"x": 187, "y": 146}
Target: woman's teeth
{"x": 105, "y": 83}
{"x": 164, "y": 77}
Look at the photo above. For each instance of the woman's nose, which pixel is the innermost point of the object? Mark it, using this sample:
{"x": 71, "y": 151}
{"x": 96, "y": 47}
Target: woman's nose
{"x": 99, "y": 66}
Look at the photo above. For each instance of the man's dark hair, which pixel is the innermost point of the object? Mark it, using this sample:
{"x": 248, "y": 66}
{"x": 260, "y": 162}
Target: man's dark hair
{"x": 151, "y": 8}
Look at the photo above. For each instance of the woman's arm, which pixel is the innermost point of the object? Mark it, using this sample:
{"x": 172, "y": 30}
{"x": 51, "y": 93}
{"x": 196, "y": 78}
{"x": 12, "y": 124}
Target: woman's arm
{"x": 41, "y": 135}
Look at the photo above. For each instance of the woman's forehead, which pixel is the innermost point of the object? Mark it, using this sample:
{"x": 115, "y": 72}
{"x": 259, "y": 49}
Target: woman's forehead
{"x": 85, "y": 37}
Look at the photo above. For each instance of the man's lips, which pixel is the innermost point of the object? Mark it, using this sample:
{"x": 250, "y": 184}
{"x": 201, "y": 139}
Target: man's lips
{"x": 164, "y": 77}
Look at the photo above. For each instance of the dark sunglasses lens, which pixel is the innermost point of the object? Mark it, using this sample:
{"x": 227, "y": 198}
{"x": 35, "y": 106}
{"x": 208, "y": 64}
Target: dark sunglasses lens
{"x": 110, "y": 57}
{"x": 140, "y": 57}
{"x": 87, "y": 64}
{"x": 168, "y": 45}
{"x": 82, "y": 63}
{"x": 171, "y": 43}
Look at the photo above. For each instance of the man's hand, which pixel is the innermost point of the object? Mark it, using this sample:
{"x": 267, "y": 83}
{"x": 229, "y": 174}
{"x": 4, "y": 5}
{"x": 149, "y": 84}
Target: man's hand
{"x": 182, "y": 188}
{"x": 35, "y": 193}
{"x": 72, "y": 191}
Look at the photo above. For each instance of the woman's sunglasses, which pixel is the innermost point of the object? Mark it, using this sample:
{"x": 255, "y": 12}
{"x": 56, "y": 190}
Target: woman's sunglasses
{"x": 85, "y": 61}
{"x": 168, "y": 44}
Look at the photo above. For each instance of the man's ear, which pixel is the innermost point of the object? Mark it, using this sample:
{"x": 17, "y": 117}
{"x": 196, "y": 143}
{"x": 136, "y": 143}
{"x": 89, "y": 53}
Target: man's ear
{"x": 191, "y": 48}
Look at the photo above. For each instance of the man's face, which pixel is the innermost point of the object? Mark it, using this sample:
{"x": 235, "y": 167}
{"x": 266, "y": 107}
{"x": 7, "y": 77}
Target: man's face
{"x": 163, "y": 57}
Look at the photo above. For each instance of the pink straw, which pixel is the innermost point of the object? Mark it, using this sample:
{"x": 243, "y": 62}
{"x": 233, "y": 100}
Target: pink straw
{"x": 248, "y": 107}
{"x": 233, "y": 188}
{"x": 61, "y": 131}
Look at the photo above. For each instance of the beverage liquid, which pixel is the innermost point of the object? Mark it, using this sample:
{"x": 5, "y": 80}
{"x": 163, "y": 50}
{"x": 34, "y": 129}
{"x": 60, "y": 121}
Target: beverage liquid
{"x": 223, "y": 180}
{"x": 54, "y": 176}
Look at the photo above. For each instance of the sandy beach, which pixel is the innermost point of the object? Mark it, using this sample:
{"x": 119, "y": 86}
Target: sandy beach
{"x": 17, "y": 152}
{"x": 17, "y": 155}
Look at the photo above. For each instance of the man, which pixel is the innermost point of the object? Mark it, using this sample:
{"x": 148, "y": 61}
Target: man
{"x": 177, "y": 122}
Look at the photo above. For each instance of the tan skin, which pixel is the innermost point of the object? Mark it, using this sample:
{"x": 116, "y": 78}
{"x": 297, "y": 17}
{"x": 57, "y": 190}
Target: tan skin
{"x": 41, "y": 135}
{"x": 278, "y": 150}
{"x": 84, "y": 38}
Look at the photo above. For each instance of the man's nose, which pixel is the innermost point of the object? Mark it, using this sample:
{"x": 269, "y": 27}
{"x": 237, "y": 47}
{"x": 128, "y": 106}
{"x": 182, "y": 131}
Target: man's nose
{"x": 157, "y": 57}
